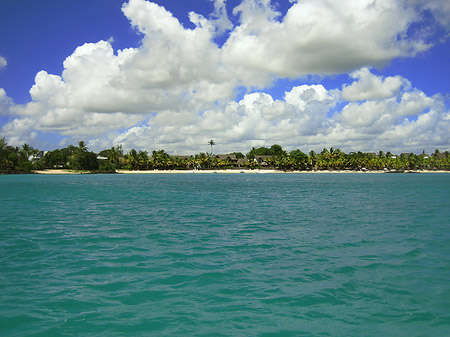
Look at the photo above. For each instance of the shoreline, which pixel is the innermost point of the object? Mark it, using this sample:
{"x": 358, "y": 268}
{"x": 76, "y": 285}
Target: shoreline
{"x": 228, "y": 171}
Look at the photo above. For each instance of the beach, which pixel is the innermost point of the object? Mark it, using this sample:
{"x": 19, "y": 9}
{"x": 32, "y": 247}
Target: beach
{"x": 230, "y": 171}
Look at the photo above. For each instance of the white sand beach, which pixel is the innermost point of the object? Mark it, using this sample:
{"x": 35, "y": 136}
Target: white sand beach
{"x": 262, "y": 171}
{"x": 228, "y": 171}
{"x": 196, "y": 171}
{"x": 57, "y": 171}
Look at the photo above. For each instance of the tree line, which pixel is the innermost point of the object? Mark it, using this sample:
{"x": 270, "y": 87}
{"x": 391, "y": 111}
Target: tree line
{"x": 14, "y": 159}
{"x": 25, "y": 159}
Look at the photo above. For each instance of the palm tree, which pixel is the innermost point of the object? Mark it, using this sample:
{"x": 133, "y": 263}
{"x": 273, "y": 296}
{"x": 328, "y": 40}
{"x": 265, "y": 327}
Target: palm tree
{"x": 132, "y": 159}
{"x": 113, "y": 155}
{"x": 313, "y": 158}
{"x": 82, "y": 146}
{"x": 26, "y": 150}
{"x": 142, "y": 160}
{"x": 211, "y": 142}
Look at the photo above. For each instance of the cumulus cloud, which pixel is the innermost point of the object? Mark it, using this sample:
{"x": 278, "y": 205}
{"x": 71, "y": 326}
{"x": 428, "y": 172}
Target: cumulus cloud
{"x": 369, "y": 87}
{"x": 19, "y": 131}
{"x": 309, "y": 117}
{"x": 178, "y": 88}
{"x": 5, "y": 103}
{"x": 101, "y": 90}
{"x": 3, "y": 62}
{"x": 319, "y": 37}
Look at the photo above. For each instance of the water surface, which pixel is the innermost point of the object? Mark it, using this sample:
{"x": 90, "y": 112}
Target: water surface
{"x": 225, "y": 255}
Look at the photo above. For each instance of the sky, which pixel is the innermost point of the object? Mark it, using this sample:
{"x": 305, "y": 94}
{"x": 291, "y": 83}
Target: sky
{"x": 359, "y": 75}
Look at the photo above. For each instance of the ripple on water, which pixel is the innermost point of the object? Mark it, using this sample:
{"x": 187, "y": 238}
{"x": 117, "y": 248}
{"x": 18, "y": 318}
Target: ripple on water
{"x": 265, "y": 255}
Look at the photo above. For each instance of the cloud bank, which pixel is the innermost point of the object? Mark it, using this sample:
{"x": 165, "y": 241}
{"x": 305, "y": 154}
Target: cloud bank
{"x": 179, "y": 88}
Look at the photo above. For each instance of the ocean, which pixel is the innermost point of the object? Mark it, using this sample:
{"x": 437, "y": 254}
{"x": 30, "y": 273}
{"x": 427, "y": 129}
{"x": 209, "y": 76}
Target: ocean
{"x": 225, "y": 255}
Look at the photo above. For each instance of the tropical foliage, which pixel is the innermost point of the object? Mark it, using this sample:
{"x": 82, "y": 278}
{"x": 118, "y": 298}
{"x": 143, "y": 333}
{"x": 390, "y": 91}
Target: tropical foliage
{"x": 71, "y": 157}
{"x": 26, "y": 158}
{"x": 275, "y": 150}
{"x": 16, "y": 159}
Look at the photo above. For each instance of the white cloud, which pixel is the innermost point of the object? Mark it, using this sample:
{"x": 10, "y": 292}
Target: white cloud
{"x": 3, "y": 62}
{"x": 19, "y": 131}
{"x": 319, "y": 37}
{"x": 440, "y": 10}
{"x": 177, "y": 89}
{"x": 369, "y": 86}
{"x": 5, "y": 103}
{"x": 98, "y": 88}
{"x": 220, "y": 18}
{"x": 307, "y": 118}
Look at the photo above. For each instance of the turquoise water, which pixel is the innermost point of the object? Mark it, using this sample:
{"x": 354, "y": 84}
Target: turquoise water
{"x": 225, "y": 255}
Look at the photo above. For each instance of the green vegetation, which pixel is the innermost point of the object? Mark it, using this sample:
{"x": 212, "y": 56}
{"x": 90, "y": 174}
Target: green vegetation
{"x": 275, "y": 150}
{"x": 71, "y": 157}
{"x": 15, "y": 159}
{"x": 25, "y": 159}
{"x": 211, "y": 143}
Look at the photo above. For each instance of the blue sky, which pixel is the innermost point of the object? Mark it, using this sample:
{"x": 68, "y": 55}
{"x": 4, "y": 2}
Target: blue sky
{"x": 172, "y": 74}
